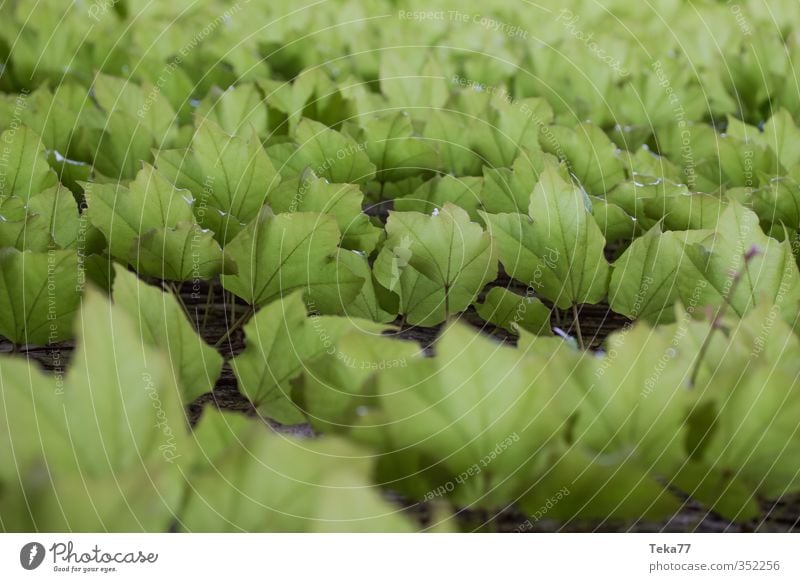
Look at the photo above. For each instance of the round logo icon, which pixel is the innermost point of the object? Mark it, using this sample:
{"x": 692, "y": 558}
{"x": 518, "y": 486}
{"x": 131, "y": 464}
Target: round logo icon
{"x": 31, "y": 555}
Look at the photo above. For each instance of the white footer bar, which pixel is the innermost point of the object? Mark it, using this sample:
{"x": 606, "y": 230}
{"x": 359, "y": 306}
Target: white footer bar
{"x": 404, "y": 558}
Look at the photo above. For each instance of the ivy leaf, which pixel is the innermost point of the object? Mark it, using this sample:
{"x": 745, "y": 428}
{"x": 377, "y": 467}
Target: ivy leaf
{"x": 778, "y": 202}
{"x": 162, "y": 323}
{"x": 578, "y": 487}
{"x": 229, "y": 177}
{"x": 509, "y": 190}
{"x": 411, "y": 79}
{"x": 26, "y": 171}
{"x": 20, "y": 229}
{"x": 185, "y": 252}
{"x": 396, "y": 150}
{"x": 614, "y": 222}
{"x": 454, "y": 253}
{"x": 308, "y": 193}
{"x": 108, "y": 436}
{"x": 276, "y": 255}
{"x": 120, "y": 145}
{"x": 61, "y": 132}
{"x": 282, "y": 485}
{"x": 560, "y": 253}
{"x": 367, "y": 304}
{"x": 143, "y": 105}
{"x": 281, "y": 340}
{"x": 513, "y": 312}
{"x": 327, "y": 152}
{"x": 684, "y": 210}
{"x": 511, "y": 128}
{"x": 782, "y": 136}
{"x": 636, "y": 399}
{"x": 237, "y": 111}
{"x": 644, "y": 280}
{"x": 450, "y": 132}
{"x": 39, "y": 294}
{"x": 124, "y": 214}
{"x": 419, "y": 299}
{"x": 436, "y": 192}
{"x": 771, "y": 275}
{"x": 717, "y": 490}
{"x": 57, "y": 209}
{"x": 117, "y": 382}
{"x": 746, "y": 380}
{"x": 744, "y": 162}
{"x": 591, "y": 155}
{"x": 479, "y": 411}
{"x": 338, "y": 387}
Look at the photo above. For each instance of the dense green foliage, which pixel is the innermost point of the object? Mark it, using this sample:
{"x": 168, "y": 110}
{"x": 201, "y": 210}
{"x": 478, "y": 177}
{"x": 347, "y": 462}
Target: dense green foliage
{"x": 532, "y": 159}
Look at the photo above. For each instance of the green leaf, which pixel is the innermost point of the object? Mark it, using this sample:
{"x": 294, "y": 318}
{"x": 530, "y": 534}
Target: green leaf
{"x": 591, "y": 156}
{"x": 748, "y": 378}
{"x": 276, "y": 484}
{"x": 448, "y": 249}
{"x": 778, "y": 202}
{"x": 61, "y": 132}
{"x": 39, "y": 294}
{"x": 108, "y": 436}
{"x": 449, "y": 132}
{"x": 367, "y": 304}
{"x": 771, "y": 275}
{"x": 281, "y": 340}
{"x": 636, "y": 398}
{"x": 185, "y": 252}
{"x": 510, "y": 129}
{"x": 396, "y": 150}
{"x": 162, "y": 323}
{"x": 276, "y": 255}
{"x": 410, "y": 79}
{"x": 338, "y": 388}
{"x": 20, "y": 229}
{"x": 577, "y": 487}
{"x": 509, "y": 190}
{"x": 614, "y": 222}
{"x": 479, "y": 417}
{"x": 683, "y": 210}
{"x": 327, "y": 152}
{"x": 56, "y": 208}
{"x": 419, "y": 299}
{"x": 143, "y": 104}
{"x": 513, "y": 312}
{"x": 226, "y": 174}
{"x": 719, "y": 492}
{"x": 238, "y": 111}
{"x": 308, "y": 193}
{"x": 782, "y": 136}
{"x": 644, "y": 280}
{"x": 125, "y": 214}
{"x": 438, "y": 191}
{"x": 560, "y": 253}
{"x": 120, "y": 145}
{"x": 26, "y": 171}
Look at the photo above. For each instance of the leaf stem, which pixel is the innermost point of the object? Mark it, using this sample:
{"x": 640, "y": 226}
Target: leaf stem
{"x": 578, "y": 326}
{"x": 209, "y": 299}
{"x": 236, "y": 325}
{"x": 704, "y": 347}
{"x": 176, "y": 290}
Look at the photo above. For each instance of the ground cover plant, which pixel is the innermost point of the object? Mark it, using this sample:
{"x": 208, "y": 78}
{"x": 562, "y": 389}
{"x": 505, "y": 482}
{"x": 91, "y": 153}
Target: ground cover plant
{"x": 399, "y": 265}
